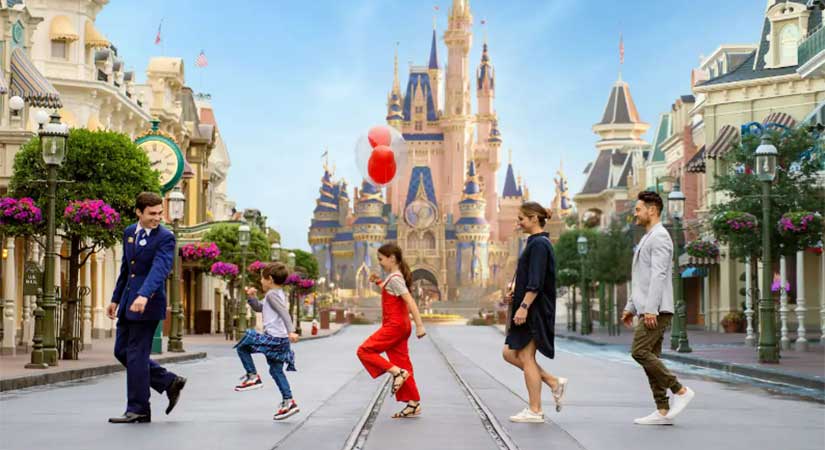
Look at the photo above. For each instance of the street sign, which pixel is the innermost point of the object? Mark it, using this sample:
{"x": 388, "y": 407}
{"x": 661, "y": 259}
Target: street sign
{"x": 32, "y": 278}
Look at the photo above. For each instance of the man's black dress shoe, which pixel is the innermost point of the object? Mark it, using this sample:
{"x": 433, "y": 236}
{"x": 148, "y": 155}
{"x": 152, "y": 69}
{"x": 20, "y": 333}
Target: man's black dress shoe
{"x": 173, "y": 392}
{"x": 131, "y": 417}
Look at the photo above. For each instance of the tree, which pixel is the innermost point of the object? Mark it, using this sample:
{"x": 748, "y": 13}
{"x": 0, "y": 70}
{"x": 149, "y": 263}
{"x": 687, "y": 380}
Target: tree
{"x": 307, "y": 261}
{"x": 612, "y": 257}
{"x": 226, "y": 238}
{"x": 794, "y": 188}
{"x": 100, "y": 165}
{"x": 611, "y": 263}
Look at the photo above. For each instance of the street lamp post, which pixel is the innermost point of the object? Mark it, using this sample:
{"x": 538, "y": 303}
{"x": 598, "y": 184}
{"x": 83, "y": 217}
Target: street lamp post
{"x": 766, "y": 172}
{"x": 678, "y": 333}
{"x": 275, "y": 252}
{"x": 53, "y": 137}
{"x": 291, "y": 265}
{"x": 176, "y": 205}
{"x": 243, "y": 241}
{"x": 586, "y": 325}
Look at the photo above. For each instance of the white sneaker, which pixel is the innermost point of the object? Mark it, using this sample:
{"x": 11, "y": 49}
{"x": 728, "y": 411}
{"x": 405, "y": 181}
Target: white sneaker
{"x": 527, "y": 416}
{"x": 558, "y": 393}
{"x": 679, "y": 402}
{"x": 653, "y": 419}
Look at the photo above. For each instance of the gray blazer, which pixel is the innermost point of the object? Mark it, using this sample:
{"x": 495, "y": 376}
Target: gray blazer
{"x": 652, "y": 277}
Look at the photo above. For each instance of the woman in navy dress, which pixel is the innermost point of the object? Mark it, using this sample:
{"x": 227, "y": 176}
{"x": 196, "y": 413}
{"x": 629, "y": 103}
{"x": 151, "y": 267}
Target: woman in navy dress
{"x": 533, "y": 312}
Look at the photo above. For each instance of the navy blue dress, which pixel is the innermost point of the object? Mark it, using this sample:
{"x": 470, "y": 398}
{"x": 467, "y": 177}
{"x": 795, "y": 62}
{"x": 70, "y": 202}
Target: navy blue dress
{"x": 536, "y": 272}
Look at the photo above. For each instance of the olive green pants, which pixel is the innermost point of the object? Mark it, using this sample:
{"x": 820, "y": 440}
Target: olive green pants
{"x": 646, "y": 349}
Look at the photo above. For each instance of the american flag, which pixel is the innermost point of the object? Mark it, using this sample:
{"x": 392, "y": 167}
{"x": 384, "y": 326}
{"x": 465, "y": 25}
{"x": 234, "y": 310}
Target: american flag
{"x": 621, "y": 49}
{"x": 201, "y": 61}
{"x": 157, "y": 36}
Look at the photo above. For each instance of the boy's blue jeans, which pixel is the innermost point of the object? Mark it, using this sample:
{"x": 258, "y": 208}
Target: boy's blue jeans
{"x": 276, "y": 370}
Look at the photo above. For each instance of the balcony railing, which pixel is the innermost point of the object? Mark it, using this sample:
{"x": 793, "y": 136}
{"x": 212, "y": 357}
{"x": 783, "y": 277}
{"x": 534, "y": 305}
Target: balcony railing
{"x": 811, "y": 46}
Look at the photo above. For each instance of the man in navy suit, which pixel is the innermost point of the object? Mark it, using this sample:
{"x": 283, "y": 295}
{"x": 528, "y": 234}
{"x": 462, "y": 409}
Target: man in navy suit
{"x": 139, "y": 303}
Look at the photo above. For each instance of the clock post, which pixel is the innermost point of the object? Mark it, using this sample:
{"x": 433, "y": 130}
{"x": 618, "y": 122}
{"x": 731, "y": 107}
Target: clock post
{"x": 166, "y": 157}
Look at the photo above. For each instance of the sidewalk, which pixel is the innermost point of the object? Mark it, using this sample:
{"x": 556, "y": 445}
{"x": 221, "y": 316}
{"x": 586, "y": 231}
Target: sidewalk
{"x": 726, "y": 352}
{"x": 101, "y": 361}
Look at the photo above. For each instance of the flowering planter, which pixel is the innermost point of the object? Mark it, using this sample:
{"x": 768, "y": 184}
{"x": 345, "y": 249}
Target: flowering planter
{"x": 19, "y": 215}
{"x": 80, "y": 213}
{"x": 703, "y": 249}
{"x": 224, "y": 270}
{"x": 202, "y": 252}
{"x": 803, "y": 229}
{"x": 255, "y": 267}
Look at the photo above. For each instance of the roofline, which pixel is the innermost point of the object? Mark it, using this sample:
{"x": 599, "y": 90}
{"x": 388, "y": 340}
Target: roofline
{"x": 727, "y": 47}
{"x": 703, "y": 89}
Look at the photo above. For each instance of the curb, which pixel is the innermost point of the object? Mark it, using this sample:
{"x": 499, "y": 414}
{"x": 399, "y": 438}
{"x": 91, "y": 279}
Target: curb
{"x": 310, "y": 337}
{"x": 765, "y": 374}
{"x": 11, "y": 384}
{"x": 761, "y": 373}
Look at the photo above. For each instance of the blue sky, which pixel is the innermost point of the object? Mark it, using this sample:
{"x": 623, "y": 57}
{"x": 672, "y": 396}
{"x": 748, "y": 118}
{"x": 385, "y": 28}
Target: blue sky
{"x": 289, "y": 79}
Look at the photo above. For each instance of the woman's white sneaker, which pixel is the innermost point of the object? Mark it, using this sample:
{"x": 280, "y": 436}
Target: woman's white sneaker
{"x": 527, "y": 416}
{"x": 653, "y": 419}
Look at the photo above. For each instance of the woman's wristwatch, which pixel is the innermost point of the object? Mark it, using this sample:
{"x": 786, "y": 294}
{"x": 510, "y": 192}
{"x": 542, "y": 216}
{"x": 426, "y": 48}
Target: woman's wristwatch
{"x": 524, "y": 305}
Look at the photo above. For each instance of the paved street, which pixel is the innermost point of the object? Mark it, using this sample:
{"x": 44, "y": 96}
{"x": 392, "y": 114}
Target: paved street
{"x": 468, "y": 393}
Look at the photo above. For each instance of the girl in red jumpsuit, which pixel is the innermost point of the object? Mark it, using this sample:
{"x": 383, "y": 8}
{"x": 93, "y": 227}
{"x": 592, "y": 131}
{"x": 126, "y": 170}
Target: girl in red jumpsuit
{"x": 396, "y": 304}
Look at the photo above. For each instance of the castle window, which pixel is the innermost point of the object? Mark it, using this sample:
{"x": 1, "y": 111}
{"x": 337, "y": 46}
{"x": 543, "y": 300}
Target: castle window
{"x": 419, "y": 126}
{"x": 788, "y": 43}
{"x": 60, "y": 50}
{"x": 419, "y": 109}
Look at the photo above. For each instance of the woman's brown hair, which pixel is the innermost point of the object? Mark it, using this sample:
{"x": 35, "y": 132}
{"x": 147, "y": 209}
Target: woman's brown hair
{"x": 531, "y": 209}
{"x": 394, "y": 250}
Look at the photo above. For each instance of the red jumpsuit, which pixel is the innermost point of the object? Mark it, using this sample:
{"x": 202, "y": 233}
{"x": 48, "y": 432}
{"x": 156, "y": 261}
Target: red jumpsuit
{"x": 391, "y": 338}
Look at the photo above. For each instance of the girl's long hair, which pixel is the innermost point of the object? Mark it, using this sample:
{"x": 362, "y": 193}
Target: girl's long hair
{"x": 394, "y": 250}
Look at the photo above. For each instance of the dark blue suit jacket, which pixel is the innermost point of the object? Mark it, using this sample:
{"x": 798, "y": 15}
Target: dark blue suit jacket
{"x": 143, "y": 271}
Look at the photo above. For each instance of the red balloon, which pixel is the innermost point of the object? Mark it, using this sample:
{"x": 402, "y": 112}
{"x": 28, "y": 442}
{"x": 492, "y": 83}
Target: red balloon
{"x": 381, "y": 166}
{"x": 379, "y": 135}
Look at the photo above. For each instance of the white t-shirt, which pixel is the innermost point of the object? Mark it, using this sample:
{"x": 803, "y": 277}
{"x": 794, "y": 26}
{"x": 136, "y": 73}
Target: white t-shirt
{"x": 277, "y": 322}
{"x": 395, "y": 284}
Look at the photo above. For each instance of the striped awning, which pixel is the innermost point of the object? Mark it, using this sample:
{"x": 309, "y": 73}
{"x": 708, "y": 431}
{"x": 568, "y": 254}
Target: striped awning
{"x": 780, "y": 118}
{"x": 29, "y": 83}
{"x": 725, "y": 140}
{"x": 686, "y": 260}
{"x": 697, "y": 163}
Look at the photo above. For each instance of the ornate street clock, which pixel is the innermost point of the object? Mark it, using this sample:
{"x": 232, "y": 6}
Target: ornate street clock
{"x": 164, "y": 156}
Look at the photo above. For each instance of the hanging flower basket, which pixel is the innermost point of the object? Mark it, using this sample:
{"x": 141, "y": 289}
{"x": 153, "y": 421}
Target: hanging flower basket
{"x": 200, "y": 252}
{"x": 703, "y": 249}
{"x": 224, "y": 270}
{"x": 91, "y": 213}
{"x": 255, "y": 267}
{"x": 735, "y": 223}
{"x": 802, "y": 228}
{"x": 19, "y": 212}
{"x": 736, "y": 228}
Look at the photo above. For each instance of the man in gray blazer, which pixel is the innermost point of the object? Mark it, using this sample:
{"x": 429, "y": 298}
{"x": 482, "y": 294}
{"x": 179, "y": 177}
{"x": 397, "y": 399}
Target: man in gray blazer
{"x": 652, "y": 300}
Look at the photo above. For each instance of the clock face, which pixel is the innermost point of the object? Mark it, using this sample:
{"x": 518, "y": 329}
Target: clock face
{"x": 164, "y": 158}
{"x": 420, "y": 214}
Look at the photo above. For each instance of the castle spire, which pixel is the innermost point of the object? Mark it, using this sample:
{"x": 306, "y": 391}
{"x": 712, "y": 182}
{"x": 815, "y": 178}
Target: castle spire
{"x": 433, "y": 52}
{"x": 395, "y": 100}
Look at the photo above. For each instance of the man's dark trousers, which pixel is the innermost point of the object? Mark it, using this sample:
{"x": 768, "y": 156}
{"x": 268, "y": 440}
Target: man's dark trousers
{"x": 132, "y": 347}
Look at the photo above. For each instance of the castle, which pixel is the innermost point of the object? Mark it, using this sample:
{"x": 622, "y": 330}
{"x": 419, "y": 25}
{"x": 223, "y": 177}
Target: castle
{"x": 446, "y": 212}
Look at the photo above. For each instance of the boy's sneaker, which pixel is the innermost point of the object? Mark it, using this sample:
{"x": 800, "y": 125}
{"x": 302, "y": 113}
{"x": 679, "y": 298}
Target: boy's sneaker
{"x": 288, "y": 408}
{"x": 249, "y": 382}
